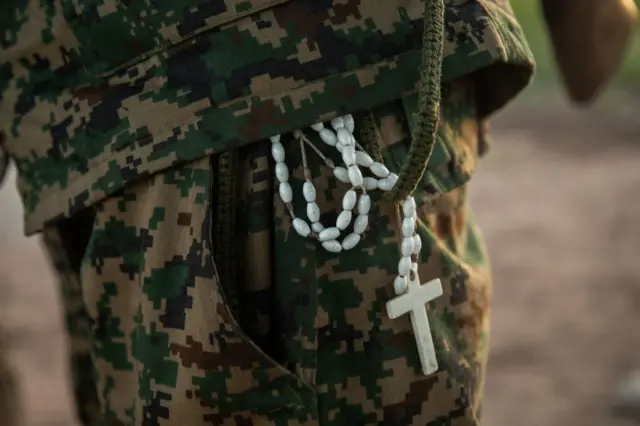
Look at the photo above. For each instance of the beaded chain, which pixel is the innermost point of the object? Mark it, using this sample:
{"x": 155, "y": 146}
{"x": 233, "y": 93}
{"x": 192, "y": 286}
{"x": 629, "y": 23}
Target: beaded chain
{"x": 340, "y": 136}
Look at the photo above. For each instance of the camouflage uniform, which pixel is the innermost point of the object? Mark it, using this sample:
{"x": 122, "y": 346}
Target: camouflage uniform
{"x": 139, "y": 131}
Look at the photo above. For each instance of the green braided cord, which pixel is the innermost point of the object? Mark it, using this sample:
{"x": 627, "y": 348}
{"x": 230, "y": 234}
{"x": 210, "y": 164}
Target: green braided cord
{"x": 225, "y": 249}
{"x": 368, "y": 135}
{"x": 423, "y": 135}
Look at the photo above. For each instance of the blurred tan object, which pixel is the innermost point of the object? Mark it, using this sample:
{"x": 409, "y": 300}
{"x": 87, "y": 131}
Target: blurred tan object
{"x": 10, "y": 406}
{"x": 589, "y": 38}
{"x": 626, "y": 402}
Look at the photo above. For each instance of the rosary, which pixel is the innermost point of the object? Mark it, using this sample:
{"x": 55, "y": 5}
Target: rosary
{"x": 411, "y": 295}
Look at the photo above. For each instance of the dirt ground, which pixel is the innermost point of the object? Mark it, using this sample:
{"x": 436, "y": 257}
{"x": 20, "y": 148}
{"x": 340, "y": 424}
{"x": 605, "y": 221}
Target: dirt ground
{"x": 558, "y": 200}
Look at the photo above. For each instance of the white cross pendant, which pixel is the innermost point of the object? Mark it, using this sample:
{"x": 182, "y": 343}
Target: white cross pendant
{"x": 413, "y": 301}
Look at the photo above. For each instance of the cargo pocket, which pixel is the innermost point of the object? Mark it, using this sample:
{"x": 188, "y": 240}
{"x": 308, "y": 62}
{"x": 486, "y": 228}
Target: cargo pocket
{"x": 165, "y": 343}
{"x": 242, "y": 235}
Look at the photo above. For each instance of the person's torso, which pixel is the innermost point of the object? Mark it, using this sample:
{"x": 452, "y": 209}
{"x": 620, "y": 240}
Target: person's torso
{"x": 95, "y": 94}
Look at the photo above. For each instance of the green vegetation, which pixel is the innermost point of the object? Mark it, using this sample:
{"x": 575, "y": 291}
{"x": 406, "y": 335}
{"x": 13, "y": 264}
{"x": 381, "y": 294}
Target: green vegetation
{"x": 528, "y": 13}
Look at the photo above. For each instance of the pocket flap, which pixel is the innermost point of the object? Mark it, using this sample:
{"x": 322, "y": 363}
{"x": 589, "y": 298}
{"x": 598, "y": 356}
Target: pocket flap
{"x": 114, "y": 33}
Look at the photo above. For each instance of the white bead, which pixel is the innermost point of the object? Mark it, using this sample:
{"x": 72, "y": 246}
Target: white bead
{"x": 313, "y": 212}
{"x": 339, "y": 147}
{"x": 404, "y": 266}
{"x": 328, "y": 137}
{"x": 337, "y": 122}
{"x": 409, "y": 207}
{"x": 349, "y": 200}
{"x": 274, "y": 138}
{"x": 317, "y": 227}
{"x": 364, "y": 204}
{"x": 407, "y": 246}
{"x": 333, "y": 246}
{"x": 301, "y": 227}
{"x": 344, "y": 219}
{"x": 400, "y": 285}
{"x": 341, "y": 174}
{"x": 309, "y": 191}
{"x": 286, "y": 194}
{"x": 360, "y": 224}
{"x": 318, "y": 126}
{"x": 351, "y": 241}
{"x": 355, "y": 176}
{"x": 379, "y": 170}
{"x": 417, "y": 244}
{"x": 344, "y": 137}
{"x": 277, "y": 151}
{"x": 370, "y": 183}
{"x": 349, "y": 122}
{"x": 364, "y": 159}
{"x": 349, "y": 156}
{"x": 408, "y": 227}
{"x": 282, "y": 172}
{"x": 329, "y": 234}
{"x": 414, "y": 216}
{"x": 387, "y": 183}
{"x": 384, "y": 184}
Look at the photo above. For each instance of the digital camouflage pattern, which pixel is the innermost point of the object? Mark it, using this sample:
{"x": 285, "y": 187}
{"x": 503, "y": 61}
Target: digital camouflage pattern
{"x": 124, "y": 120}
{"x": 97, "y": 93}
{"x": 312, "y": 344}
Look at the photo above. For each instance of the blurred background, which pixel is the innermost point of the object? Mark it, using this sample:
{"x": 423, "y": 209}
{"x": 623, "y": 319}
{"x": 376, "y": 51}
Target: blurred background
{"x": 565, "y": 241}
{"x": 564, "y": 245}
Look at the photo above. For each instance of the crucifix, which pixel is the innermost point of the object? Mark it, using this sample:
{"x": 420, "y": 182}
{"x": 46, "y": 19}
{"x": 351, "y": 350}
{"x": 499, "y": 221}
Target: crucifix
{"x": 412, "y": 297}
{"x": 413, "y": 302}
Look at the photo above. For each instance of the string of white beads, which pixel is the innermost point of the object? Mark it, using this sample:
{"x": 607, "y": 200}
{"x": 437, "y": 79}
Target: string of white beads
{"x": 342, "y": 139}
{"x": 410, "y": 246}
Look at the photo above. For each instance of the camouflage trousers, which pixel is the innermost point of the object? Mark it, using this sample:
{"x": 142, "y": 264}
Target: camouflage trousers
{"x": 190, "y": 300}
